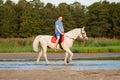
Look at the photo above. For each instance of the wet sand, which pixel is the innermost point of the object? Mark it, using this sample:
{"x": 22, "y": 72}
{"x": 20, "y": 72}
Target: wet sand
{"x": 33, "y": 55}
{"x": 60, "y": 74}
{"x": 55, "y": 74}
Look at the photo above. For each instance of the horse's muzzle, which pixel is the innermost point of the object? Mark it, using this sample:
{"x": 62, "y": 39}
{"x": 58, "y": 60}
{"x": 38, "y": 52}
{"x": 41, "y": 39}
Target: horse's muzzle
{"x": 85, "y": 38}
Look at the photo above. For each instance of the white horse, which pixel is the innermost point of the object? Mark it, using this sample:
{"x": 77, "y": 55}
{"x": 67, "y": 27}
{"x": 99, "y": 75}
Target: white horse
{"x": 69, "y": 37}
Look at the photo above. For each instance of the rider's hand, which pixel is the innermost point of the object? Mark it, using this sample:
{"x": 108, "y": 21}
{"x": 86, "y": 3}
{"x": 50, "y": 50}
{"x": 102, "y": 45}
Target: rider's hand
{"x": 62, "y": 33}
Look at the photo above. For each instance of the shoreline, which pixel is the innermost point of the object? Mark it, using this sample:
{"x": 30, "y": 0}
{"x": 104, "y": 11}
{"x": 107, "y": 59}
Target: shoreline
{"x": 57, "y": 56}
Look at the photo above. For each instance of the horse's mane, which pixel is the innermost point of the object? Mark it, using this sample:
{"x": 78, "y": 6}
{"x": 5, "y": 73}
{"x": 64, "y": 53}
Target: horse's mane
{"x": 72, "y": 31}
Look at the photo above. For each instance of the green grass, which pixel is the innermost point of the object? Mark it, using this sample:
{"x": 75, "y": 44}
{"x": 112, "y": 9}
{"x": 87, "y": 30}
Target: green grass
{"x": 96, "y": 49}
{"x": 92, "y": 46}
{"x": 97, "y": 45}
{"x": 16, "y": 45}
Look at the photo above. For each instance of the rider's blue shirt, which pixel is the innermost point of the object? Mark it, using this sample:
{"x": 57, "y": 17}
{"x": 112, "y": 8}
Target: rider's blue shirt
{"x": 60, "y": 25}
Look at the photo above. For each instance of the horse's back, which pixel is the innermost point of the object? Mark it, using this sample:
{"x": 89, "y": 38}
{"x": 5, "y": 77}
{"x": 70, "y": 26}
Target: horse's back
{"x": 45, "y": 38}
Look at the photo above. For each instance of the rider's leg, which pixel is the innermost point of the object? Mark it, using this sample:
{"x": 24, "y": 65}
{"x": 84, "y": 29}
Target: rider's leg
{"x": 58, "y": 38}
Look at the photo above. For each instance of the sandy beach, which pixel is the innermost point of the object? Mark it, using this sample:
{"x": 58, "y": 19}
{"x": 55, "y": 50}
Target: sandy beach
{"x": 55, "y": 74}
{"x": 60, "y": 74}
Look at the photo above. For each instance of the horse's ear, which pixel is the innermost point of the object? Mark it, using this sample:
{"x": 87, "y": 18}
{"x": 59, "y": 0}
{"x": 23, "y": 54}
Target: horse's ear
{"x": 83, "y": 27}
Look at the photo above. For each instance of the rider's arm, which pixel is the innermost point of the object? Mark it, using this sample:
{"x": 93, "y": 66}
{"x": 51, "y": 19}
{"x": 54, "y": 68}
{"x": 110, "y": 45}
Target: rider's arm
{"x": 62, "y": 30}
{"x": 58, "y": 29}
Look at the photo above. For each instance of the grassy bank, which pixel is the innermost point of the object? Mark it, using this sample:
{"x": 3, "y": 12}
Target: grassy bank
{"x": 16, "y": 45}
{"x": 97, "y": 45}
{"x": 93, "y": 45}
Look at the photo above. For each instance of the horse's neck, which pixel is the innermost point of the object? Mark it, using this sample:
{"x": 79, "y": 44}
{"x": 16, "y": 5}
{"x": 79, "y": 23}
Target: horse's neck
{"x": 72, "y": 34}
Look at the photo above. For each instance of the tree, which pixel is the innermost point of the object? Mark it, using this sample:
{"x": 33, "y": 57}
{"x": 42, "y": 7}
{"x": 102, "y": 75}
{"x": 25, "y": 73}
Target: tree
{"x": 48, "y": 16}
{"x": 1, "y": 15}
{"x": 68, "y": 22}
{"x": 1, "y": 2}
{"x": 8, "y": 22}
{"x": 30, "y": 21}
{"x": 37, "y": 4}
{"x": 78, "y": 13}
{"x": 114, "y": 13}
{"x": 31, "y": 18}
{"x": 97, "y": 19}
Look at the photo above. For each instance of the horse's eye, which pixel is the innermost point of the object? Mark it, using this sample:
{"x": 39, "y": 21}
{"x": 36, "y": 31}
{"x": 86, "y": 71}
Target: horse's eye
{"x": 83, "y": 33}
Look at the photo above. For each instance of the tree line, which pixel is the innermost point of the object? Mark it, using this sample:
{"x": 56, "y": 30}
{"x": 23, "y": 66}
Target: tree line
{"x": 28, "y": 19}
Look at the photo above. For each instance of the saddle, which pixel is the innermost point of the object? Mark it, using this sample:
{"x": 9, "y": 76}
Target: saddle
{"x": 53, "y": 39}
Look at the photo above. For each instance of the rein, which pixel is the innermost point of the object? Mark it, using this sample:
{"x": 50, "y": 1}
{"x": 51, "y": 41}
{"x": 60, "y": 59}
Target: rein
{"x": 81, "y": 32}
{"x": 73, "y": 38}
{"x": 69, "y": 37}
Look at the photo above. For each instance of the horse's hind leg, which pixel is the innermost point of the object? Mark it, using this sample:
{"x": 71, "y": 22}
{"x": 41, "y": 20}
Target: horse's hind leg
{"x": 44, "y": 53}
{"x": 39, "y": 56}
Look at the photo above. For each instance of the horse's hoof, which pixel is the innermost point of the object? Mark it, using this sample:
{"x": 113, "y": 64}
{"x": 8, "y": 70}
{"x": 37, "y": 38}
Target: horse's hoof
{"x": 48, "y": 63}
{"x": 68, "y": 61}
{"x": 37, "y": 62}
{"x": 65, "y": 63}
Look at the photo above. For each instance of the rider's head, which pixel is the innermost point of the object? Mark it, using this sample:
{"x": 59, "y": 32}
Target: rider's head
{"x": 60, "y": 18}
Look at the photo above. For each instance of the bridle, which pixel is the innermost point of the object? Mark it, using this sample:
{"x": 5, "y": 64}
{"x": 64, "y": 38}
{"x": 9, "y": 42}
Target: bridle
{"x": 81, "y": 32}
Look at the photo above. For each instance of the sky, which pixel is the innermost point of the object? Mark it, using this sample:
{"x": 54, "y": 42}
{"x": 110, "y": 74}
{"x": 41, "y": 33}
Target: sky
{"x": 83, "y": 2}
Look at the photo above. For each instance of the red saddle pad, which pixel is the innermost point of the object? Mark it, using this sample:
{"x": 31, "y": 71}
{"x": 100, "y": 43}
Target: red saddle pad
{"x": 53, "y": 39}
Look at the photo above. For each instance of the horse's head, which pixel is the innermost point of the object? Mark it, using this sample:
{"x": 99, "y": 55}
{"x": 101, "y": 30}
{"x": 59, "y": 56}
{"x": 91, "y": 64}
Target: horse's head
{"x": 83, "y": 34}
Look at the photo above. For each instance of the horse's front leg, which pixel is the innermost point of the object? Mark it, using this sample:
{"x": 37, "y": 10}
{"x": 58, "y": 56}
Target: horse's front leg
{"x": 71, "y": 54}
{"x": 39, "y": 56}
{"x": 45, "y": 55}
{"x": 66, "y": 56}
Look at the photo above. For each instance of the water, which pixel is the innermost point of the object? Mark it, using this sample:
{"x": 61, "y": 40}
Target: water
{"x": 74, "y": 65}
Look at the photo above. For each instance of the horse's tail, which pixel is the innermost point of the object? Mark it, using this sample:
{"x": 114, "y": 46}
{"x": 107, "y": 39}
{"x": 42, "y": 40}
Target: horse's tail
{"x": 36, "y": 43}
